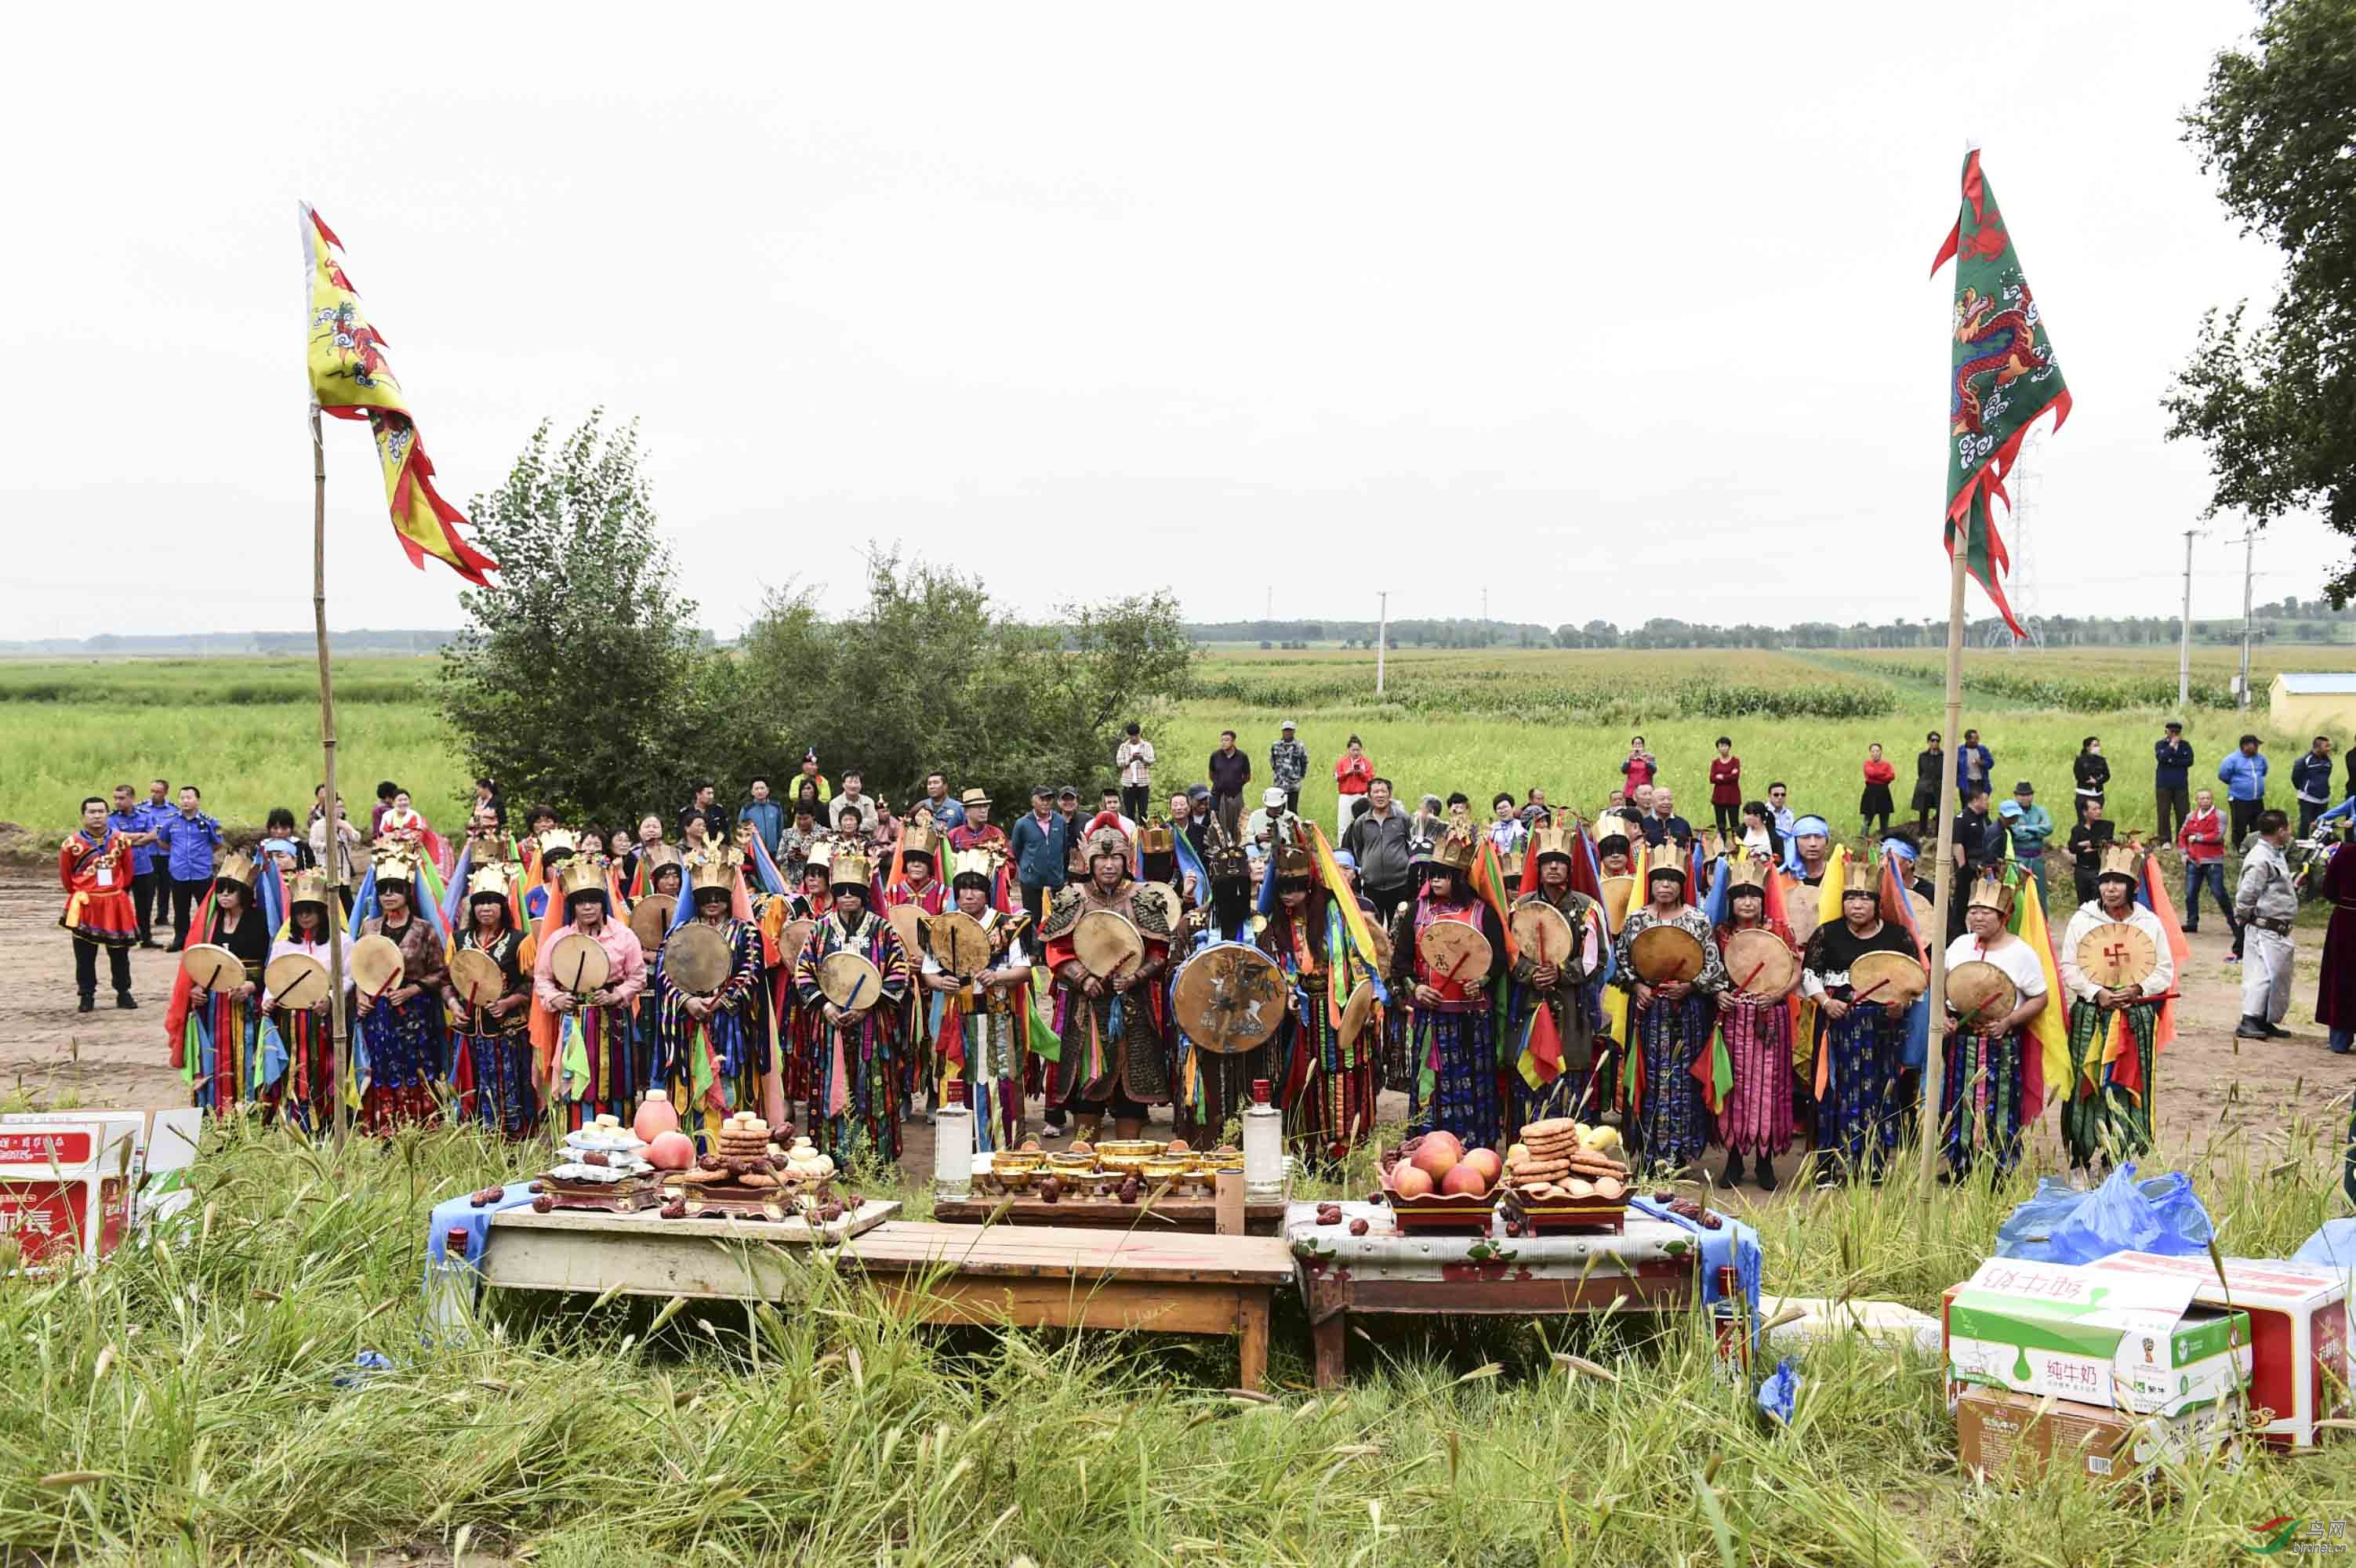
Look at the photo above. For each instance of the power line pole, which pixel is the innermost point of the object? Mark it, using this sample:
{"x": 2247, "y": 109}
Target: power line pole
{"x": 2249, "y": 554}
{"x": 2184, "y": 647}
{"x": 1382, "y": 638}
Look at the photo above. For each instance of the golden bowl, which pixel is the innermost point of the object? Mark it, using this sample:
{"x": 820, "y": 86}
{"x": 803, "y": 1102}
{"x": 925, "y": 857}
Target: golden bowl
{"x": 1123, "y": 1164}
{"x": 1130, "y": 1148}
{"x": 1015, "y": 1181}
{"x": 1166, "y": 1168}
{"x": 1017, "y": 1160}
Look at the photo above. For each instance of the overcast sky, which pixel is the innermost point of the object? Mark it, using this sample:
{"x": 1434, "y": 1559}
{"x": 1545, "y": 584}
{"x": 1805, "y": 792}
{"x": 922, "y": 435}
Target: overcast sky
{"x": 1574, "y": 303}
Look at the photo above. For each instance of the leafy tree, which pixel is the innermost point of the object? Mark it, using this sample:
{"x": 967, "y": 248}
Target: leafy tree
{"x": 579, "y": 678}
{"x": 2275, "y": 401}
{"x": 927, "y": 675}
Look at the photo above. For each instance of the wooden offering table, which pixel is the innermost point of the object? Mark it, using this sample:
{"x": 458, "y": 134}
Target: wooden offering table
{"x": 1166, "y": 1217}
{"x": 1654, "y": 1267}
{"x": 1034, "y": 1276}
{"x": 645, "y": 1254}
{"x": 1068, "y": 1277}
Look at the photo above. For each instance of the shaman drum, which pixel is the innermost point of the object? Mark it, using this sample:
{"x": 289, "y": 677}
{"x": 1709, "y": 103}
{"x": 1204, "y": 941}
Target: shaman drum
{"x": 1357, "y": 1012}
{"x": 1878, "y": 977}
{"x": 960, "y": 946}
{"x": 579, "y": 964}
{"x": 2115, "y": 955}
{"x": 1106, "y": 943}
{"x": 1542, "y": 933}
{"x": 377, "y": 965}
{"x": 1759, "y": 963}
{"x": 1163, "y": 899}
{"x": 792, "y": 936}
{"x": 651, "y": 920}
{"x": 1455, "y": 952}
{"x": 1979, "y": 993}
{"x": 1923, "y": 912}
{"x": 698, "y": 960}
{"x": 1616, "y": 891}
{"x": 908, "y": 925}
{"x": 475, "y": 976}
{"x": 296, "y": 980}
{"x": 1229, "y": 997}
{"x": 212, "y": 968}
{"x": 1666, "y": 953}
{"x": 1800, "y": 913}
{"x": 849, "y": 981}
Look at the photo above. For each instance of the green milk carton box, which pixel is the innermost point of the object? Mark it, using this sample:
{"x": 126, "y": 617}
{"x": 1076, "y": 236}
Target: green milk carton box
{"x": 2121, "y": 1340}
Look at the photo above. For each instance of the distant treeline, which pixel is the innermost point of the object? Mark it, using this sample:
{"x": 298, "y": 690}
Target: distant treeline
{"x": 2284, "y": 620}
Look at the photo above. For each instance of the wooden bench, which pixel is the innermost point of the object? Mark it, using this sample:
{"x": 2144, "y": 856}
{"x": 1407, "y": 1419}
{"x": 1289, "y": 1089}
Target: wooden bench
{"x": 1069, "y": 1277}
{"x": 1031, "y": 1276}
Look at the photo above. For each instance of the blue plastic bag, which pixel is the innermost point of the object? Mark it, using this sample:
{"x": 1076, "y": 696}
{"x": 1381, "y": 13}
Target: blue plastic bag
{"x": 1779, "y": 1392}
{"x": 2027, "y": 1234}
{"x": 2125, "y": 1215}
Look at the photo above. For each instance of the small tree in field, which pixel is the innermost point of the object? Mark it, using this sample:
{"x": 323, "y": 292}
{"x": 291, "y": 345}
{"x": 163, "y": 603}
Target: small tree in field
{"x": 925, "y": 674}
{"x": 578, "y": 679}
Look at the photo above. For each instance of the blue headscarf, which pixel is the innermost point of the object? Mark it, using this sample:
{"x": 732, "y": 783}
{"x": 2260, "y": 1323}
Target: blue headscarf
{"x": 1816, "y": 825}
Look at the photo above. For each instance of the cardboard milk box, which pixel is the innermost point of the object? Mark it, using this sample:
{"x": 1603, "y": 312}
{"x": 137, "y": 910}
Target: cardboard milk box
{"x": 1995, "y": 1430}
{"x": 2119, "y": 1339}
{"x": 2298, "y": 1333}
{"x": 75, "y": 1183}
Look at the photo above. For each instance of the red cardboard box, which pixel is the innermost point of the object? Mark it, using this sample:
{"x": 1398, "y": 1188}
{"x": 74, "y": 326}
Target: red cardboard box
{"x": 2298, "y": 1333}
{"x": 74, "y": 1183}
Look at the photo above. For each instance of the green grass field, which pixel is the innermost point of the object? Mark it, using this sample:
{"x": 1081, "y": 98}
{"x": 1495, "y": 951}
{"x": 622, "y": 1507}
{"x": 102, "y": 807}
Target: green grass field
{"x": 247, "y": 729}
{"x": 182, "y": 1404}
{"x": 187, "y": 1404}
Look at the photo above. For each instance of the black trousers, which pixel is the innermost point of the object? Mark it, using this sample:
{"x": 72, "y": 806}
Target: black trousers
{"x": 1387, "y": 900}
{"x": 148, "y": 899}
{"x": 185, "y": 897}
{"x": 118, "y": 961}
{"x": 2175, "y": 805}
{"x": 1134, "y": 800}
{"x": 2244, "y": 816}
{"x": 1729, "y": 819}
{"x": 2308, "y": 812}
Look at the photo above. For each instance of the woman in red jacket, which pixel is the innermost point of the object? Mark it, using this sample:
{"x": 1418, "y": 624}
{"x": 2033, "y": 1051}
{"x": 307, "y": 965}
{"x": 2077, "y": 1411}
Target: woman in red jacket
{"x": 1725, "y": 790}
{"x": 1875, "y": 803}
{"x": 1353, "y": 770}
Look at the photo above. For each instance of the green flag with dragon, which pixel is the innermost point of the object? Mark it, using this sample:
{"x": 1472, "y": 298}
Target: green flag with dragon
{"x": 2003, "y": 376}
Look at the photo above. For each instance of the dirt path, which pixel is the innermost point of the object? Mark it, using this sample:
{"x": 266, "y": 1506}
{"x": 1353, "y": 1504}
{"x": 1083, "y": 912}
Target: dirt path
{"x": 115, "y": 1058}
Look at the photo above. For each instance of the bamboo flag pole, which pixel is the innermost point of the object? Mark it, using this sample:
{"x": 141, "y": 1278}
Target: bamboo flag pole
{"x": 338, "y": 1038}
{"x": 1943, "y": 876}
